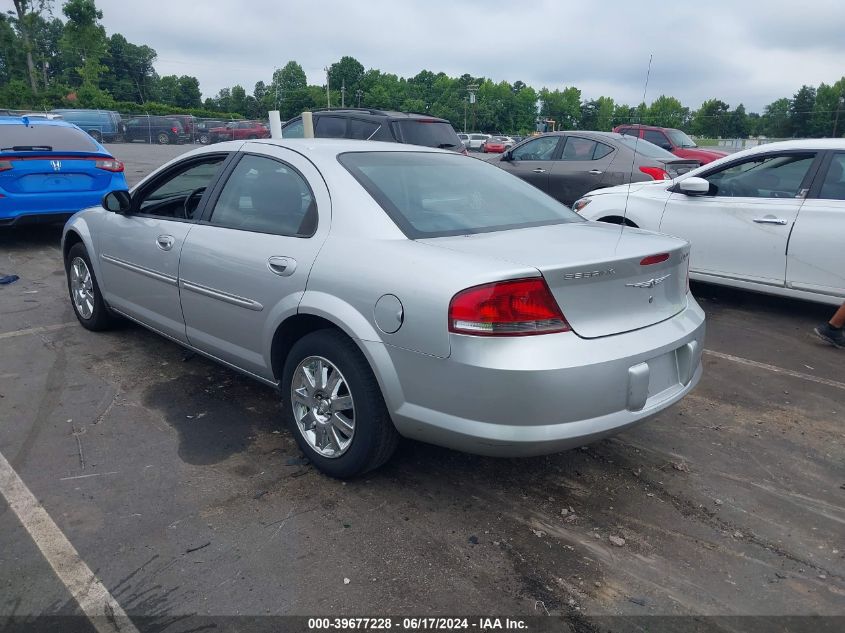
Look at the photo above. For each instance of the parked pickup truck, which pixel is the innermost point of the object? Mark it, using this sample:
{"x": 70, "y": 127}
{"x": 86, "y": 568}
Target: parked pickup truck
{"x": 238, "y": 131}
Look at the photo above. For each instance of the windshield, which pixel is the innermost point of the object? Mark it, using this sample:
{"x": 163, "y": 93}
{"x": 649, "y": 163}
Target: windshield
{"x": 436, "y": 194}
{"x": 679, "y": 139}
{"x": 58, "y": 138}
{"x": 644, "y": 148}
{"x": 428, "y": 133}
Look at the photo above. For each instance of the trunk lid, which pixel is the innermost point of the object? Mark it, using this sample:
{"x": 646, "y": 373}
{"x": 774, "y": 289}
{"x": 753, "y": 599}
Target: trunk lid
{"x": 678, "y": 167}
{"x": 594, "y": 271}
{"x": 58, "y": 173}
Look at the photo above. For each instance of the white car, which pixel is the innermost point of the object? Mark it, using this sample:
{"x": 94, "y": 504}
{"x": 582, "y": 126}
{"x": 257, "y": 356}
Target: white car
{"x": 769, "y": 219}
{"x": 476, "y": 142}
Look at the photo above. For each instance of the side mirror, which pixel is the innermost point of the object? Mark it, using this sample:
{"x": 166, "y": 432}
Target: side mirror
{"x": 693, "y": 186}
{"x": 507, "y": 156}
{"x": 666, "y": 146}
{"x": 117, "y": 201}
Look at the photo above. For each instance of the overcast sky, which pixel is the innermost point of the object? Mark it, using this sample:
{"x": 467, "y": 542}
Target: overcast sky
{"x": 749, "y": 51}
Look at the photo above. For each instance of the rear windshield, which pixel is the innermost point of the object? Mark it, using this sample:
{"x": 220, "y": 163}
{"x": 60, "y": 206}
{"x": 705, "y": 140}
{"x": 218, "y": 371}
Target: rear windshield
{"x": 439, "y": 194}
{"x": 58, "y": 138}
{"x": 644, "y": 148}
{"x": 428, "y": 133}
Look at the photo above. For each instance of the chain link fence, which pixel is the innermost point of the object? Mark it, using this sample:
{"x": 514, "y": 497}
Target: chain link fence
{"x": 110, "y": 126}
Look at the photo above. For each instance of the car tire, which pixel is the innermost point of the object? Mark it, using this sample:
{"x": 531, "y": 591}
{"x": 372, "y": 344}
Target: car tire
{"x": 372, "y": 438}
{"x": 203, "y": 139}
{"x": 96, "y": 135}
{"x": 163, "y": 138}
{"x": 84, "y": 290}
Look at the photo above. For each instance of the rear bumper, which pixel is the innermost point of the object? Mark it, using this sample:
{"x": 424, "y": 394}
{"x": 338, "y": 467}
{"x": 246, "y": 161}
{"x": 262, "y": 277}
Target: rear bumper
{"x": 29, "y": 208}
{"x": 537, "y": 395}
{"x": 36, "y": 218}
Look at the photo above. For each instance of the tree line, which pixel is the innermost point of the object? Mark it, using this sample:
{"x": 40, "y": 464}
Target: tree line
{"x": 51, "y": 62}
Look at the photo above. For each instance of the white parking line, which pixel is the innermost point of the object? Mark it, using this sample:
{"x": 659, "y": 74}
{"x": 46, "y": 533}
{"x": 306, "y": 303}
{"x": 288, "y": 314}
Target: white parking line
{"x": 776, "y": 369}
{"x": 104, "y": 612}
{"x": 36, "y": 330}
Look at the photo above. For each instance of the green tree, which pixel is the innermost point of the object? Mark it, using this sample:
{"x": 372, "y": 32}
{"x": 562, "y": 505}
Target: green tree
{"x": 238, "y": 102}
{"x": 83, "y": 45}
{"x": 348, "y": 71}
{"x": 562, "y": 106}
{"x": 737, "y": 123}
{"x": 667, "y": 112}
{"x": 825, "y": 109}
{"x": 27, "y": 13}
{"x": 801, "y": 111}
{"x": 775, "y": 121}
{"x": 711, "y": 119}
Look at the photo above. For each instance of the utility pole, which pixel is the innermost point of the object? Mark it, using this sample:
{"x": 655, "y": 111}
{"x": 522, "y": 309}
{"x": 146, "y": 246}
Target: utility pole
{"x": 472, "y": 89}
{"x": 328, "y": 97}
{"x": 358, "y": 94}
{"x": 466, "y": 99}
{"x": 343, "y": 94}
{"x": 836, "y": 120}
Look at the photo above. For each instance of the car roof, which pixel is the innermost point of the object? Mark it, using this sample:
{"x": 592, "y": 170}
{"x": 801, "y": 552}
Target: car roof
{"x": 331, "y": 147}
{"x": 19, "y": 120}
{"x": 394, "y": 114}
{"x": 642, "y": 126}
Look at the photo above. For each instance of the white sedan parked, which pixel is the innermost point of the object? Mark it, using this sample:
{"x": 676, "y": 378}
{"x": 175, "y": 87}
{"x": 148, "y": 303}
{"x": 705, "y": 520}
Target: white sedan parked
{"x": 770, "y": 219}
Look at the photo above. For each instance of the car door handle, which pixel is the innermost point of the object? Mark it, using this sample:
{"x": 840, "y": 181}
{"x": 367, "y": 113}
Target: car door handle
{"x": 282, "y": 266}
{"x": 770, "y": 221}
{"x": 595, "y": 172}
{"x": 539, "y": 170}
{"x": 164, "y": 242}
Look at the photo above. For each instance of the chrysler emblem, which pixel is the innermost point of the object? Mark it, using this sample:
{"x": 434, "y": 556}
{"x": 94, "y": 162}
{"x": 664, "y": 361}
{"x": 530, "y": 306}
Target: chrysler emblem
{"x": 57, "y": 165}
{"x": 651, "y": 283}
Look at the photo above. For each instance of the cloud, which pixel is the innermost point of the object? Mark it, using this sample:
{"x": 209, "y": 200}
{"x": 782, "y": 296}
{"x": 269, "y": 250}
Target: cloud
{"x": 752, "y": 51}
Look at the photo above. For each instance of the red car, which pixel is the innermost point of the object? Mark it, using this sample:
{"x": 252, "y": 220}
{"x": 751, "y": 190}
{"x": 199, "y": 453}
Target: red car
{"x": 238, "y": 131}
{"x": 671, "y": 140}
{"x": 497, "y": 144}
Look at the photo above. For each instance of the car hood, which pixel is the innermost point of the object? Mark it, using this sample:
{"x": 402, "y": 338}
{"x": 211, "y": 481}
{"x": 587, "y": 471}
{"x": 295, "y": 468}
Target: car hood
{"x": 700, "y": 154}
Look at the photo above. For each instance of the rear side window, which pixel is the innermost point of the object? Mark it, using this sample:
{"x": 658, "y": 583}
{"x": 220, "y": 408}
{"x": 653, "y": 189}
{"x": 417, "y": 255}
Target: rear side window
{"x": 428, "y": 133}
{"x": 57, "y": 138}
{"x": 266, "y": 196}
{"x": 578, "y": 148}
{"x": 330, "y": 127}
{"x": 362, "y": 130}
{"x": 602, "y": 150}
{"x": 629, "y": 131}
{"x": 296, "y": 129}
{"x": 833, "y": 187}
{"x": 439, "y": 194}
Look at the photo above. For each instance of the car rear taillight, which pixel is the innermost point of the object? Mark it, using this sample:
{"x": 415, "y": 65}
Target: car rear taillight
{"x": 654, "y": 259}
{"x": 656, "y": 173}
{"x": 109, "y": 164}
{"x": 175, "y": 130}
{"x": 517, "y": 307}
{"x": 465, "y": 152}
{"x": 5, "y": 165}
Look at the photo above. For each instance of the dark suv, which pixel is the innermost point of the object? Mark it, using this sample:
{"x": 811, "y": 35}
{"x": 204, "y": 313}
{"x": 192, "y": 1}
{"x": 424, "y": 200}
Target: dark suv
{"x": 155, "y": 129}
{"x": 379, "y": 125}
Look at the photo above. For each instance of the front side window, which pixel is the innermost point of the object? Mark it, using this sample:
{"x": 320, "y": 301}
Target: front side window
{"x": 542, "y": 148}
{"x": 266, "y": 196}
{"x": 769, "y": 176}
{"x": 435, "y": 195}
{"x": 658, "y": 138}
{"x": 179, "y": 193}
{"x": 833, "y": 187}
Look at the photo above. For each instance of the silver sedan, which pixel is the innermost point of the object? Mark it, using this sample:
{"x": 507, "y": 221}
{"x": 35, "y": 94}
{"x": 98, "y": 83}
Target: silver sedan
{"x": 389, "y": 290}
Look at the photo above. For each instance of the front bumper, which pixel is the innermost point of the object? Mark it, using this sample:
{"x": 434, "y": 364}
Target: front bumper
{"x": 544, "y": 394}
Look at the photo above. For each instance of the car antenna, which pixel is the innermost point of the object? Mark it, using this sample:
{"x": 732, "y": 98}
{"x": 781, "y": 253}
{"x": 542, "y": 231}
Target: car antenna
{"x": 636, "y": 143}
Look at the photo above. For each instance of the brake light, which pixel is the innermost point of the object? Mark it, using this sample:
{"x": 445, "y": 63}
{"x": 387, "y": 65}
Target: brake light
{"x": 465, "y": 152}
{"x": 654, "y": 259}
{"x": 109, "y": 164}
{"x": 174, "y": 130}
{"x": 5, "y": 165}
{"x": 656, "y": 173}
{"x": 518, "y": 307}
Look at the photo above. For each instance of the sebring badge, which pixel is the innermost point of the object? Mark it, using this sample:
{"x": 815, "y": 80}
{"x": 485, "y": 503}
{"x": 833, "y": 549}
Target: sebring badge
{"x": 590, "y": 273}
{"x": 651, "y": 283}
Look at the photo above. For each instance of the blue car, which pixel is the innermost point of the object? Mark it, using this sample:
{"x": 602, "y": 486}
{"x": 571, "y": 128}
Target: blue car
{"x": 50, "y": 169}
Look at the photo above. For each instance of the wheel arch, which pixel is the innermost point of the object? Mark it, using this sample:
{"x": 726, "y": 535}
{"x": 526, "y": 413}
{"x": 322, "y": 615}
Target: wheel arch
{"x": 618, "y": 219}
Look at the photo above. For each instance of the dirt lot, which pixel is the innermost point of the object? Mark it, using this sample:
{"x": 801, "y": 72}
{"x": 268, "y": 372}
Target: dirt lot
{"x": 175, "y": 483}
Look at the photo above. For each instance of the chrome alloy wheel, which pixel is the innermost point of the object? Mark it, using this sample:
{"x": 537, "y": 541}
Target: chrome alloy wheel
{"x": 322, "y": 406}
{"x": 82, "y": 288}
